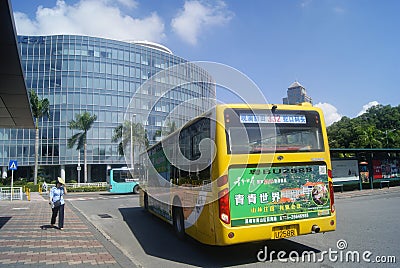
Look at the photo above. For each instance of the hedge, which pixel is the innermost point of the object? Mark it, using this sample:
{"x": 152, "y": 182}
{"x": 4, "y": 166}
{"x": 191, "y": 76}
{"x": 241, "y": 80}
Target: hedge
{"x": 87, "y": 189}
{"x": 35, "y": 188}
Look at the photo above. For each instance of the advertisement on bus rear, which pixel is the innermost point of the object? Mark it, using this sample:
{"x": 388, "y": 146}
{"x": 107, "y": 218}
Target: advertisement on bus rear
{"x": 276, "y": 194}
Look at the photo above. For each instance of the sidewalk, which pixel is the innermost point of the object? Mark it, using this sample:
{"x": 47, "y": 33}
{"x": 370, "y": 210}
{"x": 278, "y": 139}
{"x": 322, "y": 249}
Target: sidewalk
{"x": 366, "y": 192}
{"x": 27, "y": 240}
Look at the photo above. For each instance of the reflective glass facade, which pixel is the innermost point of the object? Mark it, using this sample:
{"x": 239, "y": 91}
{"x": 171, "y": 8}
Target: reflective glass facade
{"x": 100, "y": 76}
{"x": 296, "y": 93}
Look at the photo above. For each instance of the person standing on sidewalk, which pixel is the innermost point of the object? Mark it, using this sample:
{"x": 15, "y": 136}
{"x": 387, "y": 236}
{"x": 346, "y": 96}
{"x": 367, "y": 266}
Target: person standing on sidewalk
{"x": 57, "y": 203}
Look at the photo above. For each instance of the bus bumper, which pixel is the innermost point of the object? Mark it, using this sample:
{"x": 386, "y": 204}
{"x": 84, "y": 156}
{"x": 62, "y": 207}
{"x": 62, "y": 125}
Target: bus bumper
{"x": 227, "y": 235}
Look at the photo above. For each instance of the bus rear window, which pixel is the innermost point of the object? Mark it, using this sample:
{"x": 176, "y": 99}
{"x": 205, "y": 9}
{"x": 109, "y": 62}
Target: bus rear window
{"x": 261, "y": 131}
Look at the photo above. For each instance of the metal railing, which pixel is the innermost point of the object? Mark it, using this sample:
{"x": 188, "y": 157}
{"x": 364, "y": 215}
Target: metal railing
{"x": 17, "y": 193}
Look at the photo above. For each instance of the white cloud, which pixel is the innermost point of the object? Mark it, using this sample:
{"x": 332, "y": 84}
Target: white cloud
{"x": 367, "y": 106}
{"x": 331, "y": 114}
{"x": 101, "y": 18}
{"x": 196, "y": 17}
{"x": 128, "y": 3}
{"x": 305, "y": 3}
{"x": 339, "y": 10}
{"x": 23, "y": 24}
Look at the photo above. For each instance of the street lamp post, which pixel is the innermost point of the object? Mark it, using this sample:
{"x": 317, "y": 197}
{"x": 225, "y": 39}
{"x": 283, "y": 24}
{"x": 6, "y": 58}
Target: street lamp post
{"x": 78, "y": 168}
{"x": 132, "y": 147}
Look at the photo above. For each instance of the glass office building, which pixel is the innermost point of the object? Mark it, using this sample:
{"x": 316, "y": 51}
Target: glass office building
{"x": 296, "y": 93}
{"x": 100, "y": 76}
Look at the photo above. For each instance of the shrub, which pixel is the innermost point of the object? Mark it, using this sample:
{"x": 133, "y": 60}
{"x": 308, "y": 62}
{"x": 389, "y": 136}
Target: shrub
{"x": 6, "y": 181}
{"x": 32, "y": 187}
{"x": 20, "y": 181}
{"x": 87, "y": 189}
{"x": 35, "y": 188}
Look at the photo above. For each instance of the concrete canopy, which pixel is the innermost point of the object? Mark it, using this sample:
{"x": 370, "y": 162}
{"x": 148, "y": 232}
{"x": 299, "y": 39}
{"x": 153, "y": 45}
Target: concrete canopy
{"x": 15, "y": 109}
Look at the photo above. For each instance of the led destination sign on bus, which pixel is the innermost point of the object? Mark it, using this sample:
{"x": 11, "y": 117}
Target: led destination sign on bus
{"x": 273, "y": 118}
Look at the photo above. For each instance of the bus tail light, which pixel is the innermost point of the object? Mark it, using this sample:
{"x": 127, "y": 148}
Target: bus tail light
{"x": 332, "y": 198}
{"x": 223, "y": 201}
{"x": 329, "y": 173}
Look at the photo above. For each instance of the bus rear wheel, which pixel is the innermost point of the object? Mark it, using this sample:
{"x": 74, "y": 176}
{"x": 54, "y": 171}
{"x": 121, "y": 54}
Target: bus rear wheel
{"x": 136, "y": 189}
{"x": 179, "y": 222}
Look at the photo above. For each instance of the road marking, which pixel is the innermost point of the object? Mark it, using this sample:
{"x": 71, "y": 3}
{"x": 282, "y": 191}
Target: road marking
{"x": 96, "y": 198}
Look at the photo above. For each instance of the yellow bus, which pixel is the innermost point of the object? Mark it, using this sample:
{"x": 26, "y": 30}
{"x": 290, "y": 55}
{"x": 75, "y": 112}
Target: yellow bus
{"x": 243, "y": 173}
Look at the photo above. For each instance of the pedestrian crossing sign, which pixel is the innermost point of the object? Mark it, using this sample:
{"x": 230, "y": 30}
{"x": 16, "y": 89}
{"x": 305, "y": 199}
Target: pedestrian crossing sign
{"x": 13, "y": 165}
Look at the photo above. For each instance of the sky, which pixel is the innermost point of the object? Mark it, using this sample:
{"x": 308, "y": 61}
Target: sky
{"x": 345, "y": 53}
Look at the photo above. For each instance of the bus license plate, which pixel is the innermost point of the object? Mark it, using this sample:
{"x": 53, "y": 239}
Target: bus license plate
{"x": 284, "y": 232}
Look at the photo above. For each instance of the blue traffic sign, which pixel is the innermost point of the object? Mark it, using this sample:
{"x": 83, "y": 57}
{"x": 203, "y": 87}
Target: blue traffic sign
{"x": 13, "y": 165}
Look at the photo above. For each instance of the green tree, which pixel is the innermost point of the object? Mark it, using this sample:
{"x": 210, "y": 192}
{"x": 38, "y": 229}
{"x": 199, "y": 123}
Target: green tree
{"x": 168, "y": 129}
{"x": 368, "y": 137}
{"x": 157, "y": 133}
{"x": 118, "y": 137}
{"x": 171, "y": 127}
{"x": 392, "y": 138}
{"x": 341, "y": 133}
{"x": 83, "y": 122}
{"x": 146, "y": 139}
{"x": 122, "y": 135}
{"x": 378, "y": 127}
{"x": 40, "y": 108}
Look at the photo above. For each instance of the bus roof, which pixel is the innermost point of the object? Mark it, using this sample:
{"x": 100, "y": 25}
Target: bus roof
{"x": 303, "y": 106}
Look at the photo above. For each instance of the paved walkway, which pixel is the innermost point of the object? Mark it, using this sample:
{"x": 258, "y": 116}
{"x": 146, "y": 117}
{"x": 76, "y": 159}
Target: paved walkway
{"x": 366, "y": 192}
{"x": 27, "y": 240}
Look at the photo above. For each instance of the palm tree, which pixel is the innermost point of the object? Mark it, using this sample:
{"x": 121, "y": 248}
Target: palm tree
{"x": 122, "y": 134}
{"x": 169, "y": 128}
{"x": 157, "y": 133}
{"x": 40, "y": 108}
{"x": 83, "y": 122}
{"x": 117, "y": 137}
{"x": 146, "y": 139}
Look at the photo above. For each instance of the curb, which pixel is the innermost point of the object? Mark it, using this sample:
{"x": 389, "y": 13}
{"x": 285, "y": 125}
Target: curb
{"x": 105, "y": 236}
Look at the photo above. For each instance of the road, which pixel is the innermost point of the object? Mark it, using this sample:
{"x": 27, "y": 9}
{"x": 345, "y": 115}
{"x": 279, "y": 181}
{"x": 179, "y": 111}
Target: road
{"x": 366, "y": 227}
